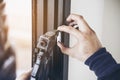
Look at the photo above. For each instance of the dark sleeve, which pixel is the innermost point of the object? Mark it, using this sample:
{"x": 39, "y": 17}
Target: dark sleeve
{"x": 104, "y": 66}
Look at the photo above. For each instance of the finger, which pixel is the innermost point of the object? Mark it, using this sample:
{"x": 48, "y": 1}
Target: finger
{"x": 2, "y": 6}
{"x": 73, "y": 17}
{"x": 70, "y": 30}
{"x": 63, "y": 48}
{"x": 72, "y": 24}
{"x": 83, "y": 26}
{"x": 24, "y": 76}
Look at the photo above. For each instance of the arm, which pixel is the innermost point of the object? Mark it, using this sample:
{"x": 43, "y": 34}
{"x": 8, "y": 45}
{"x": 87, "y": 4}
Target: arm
{"x": 104, "y": 66}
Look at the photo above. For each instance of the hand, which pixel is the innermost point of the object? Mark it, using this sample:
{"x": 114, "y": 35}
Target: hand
{"x": 87, "y": 41}
{"x": 24, "y": 76}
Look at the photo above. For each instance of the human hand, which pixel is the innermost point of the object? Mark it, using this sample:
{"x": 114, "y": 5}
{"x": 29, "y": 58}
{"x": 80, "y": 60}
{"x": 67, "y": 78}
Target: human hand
{"x": 24, "y": 76}
{"x": 87, "y": 41}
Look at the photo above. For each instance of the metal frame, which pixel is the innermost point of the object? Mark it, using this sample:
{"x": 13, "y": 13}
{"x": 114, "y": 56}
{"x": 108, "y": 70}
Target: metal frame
{"x": 48, "y": 15}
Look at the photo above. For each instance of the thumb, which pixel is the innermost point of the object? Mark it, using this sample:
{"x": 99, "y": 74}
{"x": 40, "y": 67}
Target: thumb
{"x": 64, "y": 49}
{"x": 24, "y": 76}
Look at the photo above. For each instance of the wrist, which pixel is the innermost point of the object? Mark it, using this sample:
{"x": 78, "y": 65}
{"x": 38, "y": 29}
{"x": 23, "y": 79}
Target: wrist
{"x": 88, "y": 55}
{"x": 101, "y": 62}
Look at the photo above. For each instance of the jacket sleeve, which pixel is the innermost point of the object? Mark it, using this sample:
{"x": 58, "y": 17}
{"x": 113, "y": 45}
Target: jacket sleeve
{"x": 104, "y": 66}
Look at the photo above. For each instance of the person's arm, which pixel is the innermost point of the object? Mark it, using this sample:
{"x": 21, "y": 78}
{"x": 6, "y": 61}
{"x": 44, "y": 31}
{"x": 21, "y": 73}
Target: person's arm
{"x": 104, "y": 66}
{"x": 89, "y": 49}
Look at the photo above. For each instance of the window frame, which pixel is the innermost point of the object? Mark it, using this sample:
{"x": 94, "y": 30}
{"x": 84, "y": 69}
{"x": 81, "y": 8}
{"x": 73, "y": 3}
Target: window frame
{"x": 42, "y": 12}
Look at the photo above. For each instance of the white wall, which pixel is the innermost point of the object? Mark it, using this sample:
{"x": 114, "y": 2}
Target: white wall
{"x": 104, "y": 17}
{"x": 111, "y": 27}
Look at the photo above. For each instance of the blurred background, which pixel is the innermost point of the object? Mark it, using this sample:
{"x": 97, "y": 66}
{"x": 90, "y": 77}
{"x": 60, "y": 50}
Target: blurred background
{"x": 19, "y": 21}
